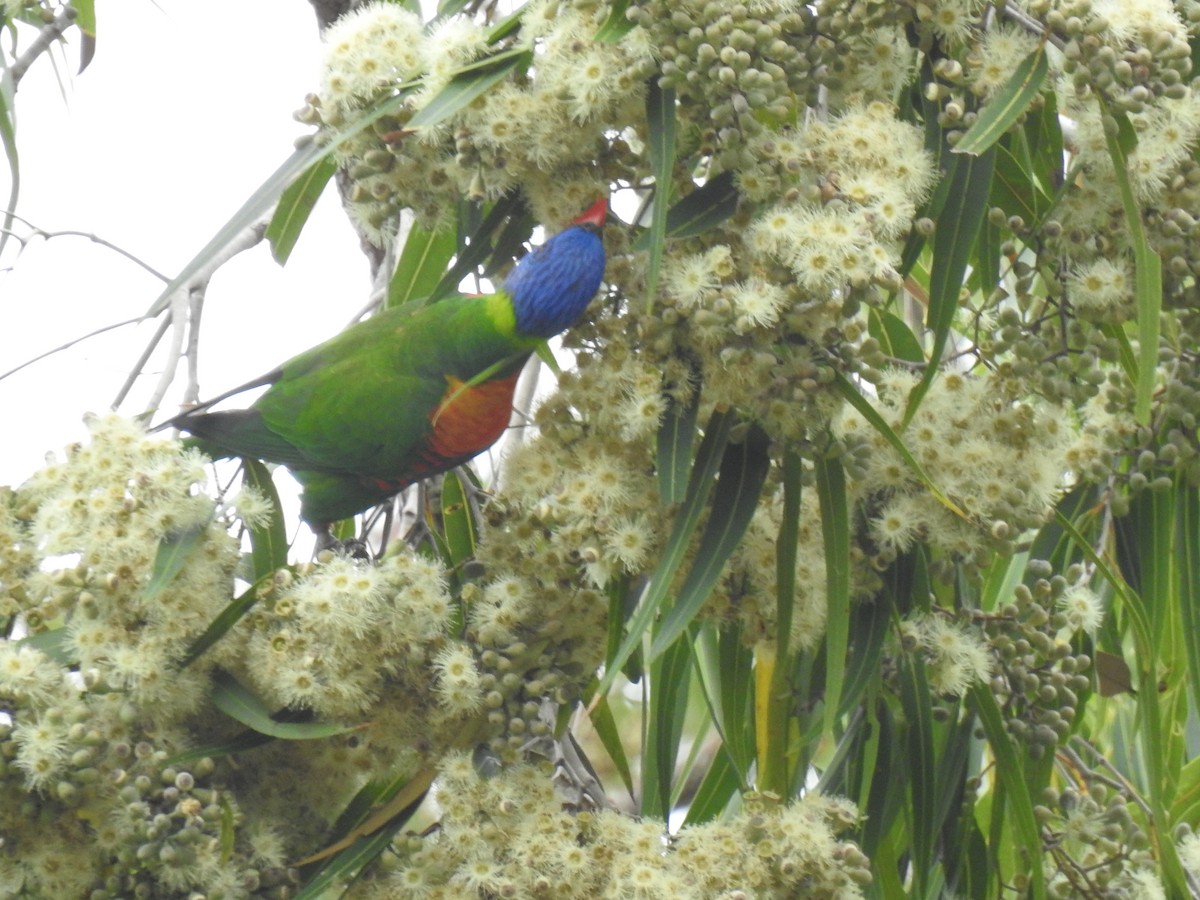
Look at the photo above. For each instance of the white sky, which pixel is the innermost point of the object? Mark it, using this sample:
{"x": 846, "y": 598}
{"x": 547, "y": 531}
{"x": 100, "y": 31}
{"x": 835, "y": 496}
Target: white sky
{"x": 183, "y": 113}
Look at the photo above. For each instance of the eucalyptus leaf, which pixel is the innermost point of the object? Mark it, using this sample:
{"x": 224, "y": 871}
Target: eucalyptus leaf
{"x": 238, "y": 702}
{"x": 1007, "y": 105}
{"x": 174, "y": 551}
{"x": 295, "y": 205}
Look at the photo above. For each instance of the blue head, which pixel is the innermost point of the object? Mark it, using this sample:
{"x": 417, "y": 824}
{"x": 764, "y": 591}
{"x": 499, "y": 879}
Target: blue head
{"x": 552, "y": 286}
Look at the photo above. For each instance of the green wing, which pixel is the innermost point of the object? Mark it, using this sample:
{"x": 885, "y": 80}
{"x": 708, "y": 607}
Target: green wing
{"x": 361, "y": 402}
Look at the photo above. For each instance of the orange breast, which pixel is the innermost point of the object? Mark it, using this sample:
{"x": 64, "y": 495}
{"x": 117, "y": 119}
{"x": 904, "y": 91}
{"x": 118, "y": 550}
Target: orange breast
{"x": 471, "y": 419}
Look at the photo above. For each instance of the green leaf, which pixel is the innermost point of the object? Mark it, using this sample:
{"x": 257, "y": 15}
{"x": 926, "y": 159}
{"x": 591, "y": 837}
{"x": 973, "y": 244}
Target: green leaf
{"x": 675, "y": 436}
{"x": 743, "y": 472}
{"x": 1186, "y": 805}
{"x": 421, "y": 265}
{"x": 985, "y": 269}
{"x": 719, "y": 785}
{"x": 1147, "y": 266}
{"x": 295, "y": 205}
{"x": 786, "y": 549}
{"x": 884, "y": 779}
{"x": 458, "y": 522}
{"x": 725, "y": 665}
{"x": 670, "y": 677}
{"x": 1045, "y": 139}
{"x": 869, "y": 628}
{"x": 226, "y": 619}
{"x": 876, "y": 421}
{"x": 370, "y": 796}
{"x": 345, "y": 868}
{"x": 473, "y": 81}
{"x": 601, "y": 716}
{"x": 511, "y": 238}
{"x": 835, "y": 777}
{"x": 1007, "y": 105}
{"x": 835, "y": 532}
{"x": 229, "y": 820}
{"x": 8, "y": 137}
{"x": 974, "y": 870}
{"x": 239, "y": 703}
{"x": 706, "y": 207}
{"x": 475, "y": 245}
{"x": 661, "y": 125}
{"x": 1187, "y": 562}
{"x": 1001, "y": 579}
{"x": 970, "y": 179}
{"x": 54, "y": 643}
{"x": 247, "y": 740}
{"x": 366, "y": 829}
{"x": 268, "y": 542}
{"x": 617, "y": 25}
{"x": 951, "y": 774}
{"x": 622, "y": 602}
{"x": 1013, "y": 189}
{"x": 895, "y": 337}
{"x": 704, "y": 470}
{"x": 776, "y": 681}
{"x": 1012, "y": 776}
{"x": 173, "y": 553}
{"x": 507, "y": 26}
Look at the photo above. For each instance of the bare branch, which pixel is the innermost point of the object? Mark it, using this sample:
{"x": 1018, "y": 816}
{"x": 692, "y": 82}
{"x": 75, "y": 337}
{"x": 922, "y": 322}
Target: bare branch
{"x": 68, "y": 345}
{"x": 1031, "y": 24}
{"x": 191, "y": 393}
{"x": 180, "y": 303}
{"x": 45, "y": 234}
{"x": 54, "y": 30}
{"x": 142, "y": 360}
{"x": 36, "y": 231}
{"x": 179, "y": 323}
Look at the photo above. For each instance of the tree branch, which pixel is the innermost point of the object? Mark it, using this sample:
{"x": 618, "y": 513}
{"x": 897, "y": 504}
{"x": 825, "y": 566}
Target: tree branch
{"x": 52, "y": 31}
{"x": 45, "y": 234}
{"x": 183, "y": 305}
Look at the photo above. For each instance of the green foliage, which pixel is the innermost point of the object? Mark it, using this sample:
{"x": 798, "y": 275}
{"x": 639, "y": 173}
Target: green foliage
{"x": 862, "y": 531}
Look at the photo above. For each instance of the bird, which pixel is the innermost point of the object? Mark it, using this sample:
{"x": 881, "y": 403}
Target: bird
{"x": 409, "y": 393}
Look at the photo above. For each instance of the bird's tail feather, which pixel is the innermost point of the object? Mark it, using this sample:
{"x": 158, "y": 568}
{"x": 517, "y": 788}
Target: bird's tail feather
{"x": 187, "y": 418}
{"x": 238, "y": 432}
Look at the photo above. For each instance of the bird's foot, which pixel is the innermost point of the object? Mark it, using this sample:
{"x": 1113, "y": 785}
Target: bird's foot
{"x": 352, "y": 548}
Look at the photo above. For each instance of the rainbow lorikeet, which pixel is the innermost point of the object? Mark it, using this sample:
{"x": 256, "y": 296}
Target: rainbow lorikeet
{"x": 410, "y": 392}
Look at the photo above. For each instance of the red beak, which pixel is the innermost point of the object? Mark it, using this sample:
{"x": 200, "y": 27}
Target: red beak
{"x": 595, "y": 214}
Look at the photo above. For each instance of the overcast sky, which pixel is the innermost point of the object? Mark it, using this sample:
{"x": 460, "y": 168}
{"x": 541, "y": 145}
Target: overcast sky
{"x": 184, "y": 111}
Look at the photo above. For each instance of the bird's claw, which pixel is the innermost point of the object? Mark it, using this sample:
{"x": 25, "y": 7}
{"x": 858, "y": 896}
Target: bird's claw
{"x": 352, "y": 548}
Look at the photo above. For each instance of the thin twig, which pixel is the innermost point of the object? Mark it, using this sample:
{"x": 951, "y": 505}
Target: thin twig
{"x": 68, "y": 345}
{"x": 46, "y": 234}
{"x": 180, "y": 301}
{"x": 191, "y": 393}
{"x": 142, "y": 360}
{"x": 1031, "y": 24}
{"x": 1118, "y": 781}
{"x": 178, "y": 320}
